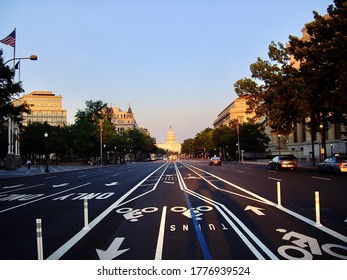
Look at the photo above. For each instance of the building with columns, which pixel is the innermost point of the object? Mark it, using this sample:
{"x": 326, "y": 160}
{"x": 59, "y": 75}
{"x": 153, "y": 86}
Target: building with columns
{"x": 235, "y": 110}
{"x": 299, "y": 142}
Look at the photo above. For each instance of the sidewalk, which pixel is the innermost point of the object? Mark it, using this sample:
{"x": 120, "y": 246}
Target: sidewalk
{"x": 40, "y": 169}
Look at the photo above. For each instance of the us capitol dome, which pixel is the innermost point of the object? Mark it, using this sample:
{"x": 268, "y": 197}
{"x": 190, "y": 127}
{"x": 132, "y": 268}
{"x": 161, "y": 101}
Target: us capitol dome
{"x": 170, "y": 142}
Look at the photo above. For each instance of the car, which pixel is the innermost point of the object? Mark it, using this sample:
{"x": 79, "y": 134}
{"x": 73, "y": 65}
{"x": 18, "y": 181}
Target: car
{"x": 283, "y": 162}
{"x": 215, "y": 161}
{"x": 337, "y": 163}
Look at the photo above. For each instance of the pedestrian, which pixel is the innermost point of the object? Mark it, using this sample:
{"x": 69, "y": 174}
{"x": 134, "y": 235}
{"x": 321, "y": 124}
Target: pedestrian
{"x": 28, "y": 163}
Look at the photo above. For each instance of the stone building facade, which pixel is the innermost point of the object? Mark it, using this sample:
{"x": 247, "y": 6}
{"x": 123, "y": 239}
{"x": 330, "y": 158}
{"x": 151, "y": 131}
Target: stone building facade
{"x": 45, "y": 106}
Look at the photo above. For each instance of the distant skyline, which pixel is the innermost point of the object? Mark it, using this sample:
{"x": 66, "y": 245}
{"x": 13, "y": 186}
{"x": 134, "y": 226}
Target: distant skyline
{"x": 174, "y": 61}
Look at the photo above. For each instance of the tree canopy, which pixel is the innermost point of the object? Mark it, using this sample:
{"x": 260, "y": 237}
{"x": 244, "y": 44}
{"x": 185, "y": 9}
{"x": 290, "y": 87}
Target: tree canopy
{"x": 282, "y": 93}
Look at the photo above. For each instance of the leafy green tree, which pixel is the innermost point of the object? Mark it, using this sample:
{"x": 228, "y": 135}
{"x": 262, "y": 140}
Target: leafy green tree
{"x": 59, "y": 141}
{"x": 139, "y": 143}
{"x": 187, "y": 146}
{"x": 275, "y": 93}
{"x": 323, "y": 68}
{"x": 203, "y": 144}
{"x": 253, "y": 138}
{"x": 85, "y": 141}
{"x": 86, "y": 129}
{"x": 33, "y": 141}
{"x": 9, "y": 91}
{"x": 222, "y": 139}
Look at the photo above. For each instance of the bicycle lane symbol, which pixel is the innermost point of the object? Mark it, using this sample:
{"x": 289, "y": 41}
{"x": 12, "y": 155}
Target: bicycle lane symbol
{"x": 305, "y": 247}
{"x": 133, "y": 215}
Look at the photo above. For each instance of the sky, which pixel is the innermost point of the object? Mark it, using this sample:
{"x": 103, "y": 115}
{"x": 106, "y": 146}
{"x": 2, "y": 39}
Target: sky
{"x": 174, "y": 61}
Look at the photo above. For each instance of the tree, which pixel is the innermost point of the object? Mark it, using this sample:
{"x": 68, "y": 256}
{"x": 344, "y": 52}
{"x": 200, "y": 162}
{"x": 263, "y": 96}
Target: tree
{"x": 323, "y": 67}
{"x": 87, "y": 127}
{"x": 139, "y": 143}
{"x": 222, "y": 139}
{"x": 253, "y": 138}
{"x": 9, "y": 91}
{"x": 33, "y": 140}
{"x": 203, "y": 144}
{"x": 187, "y": 146}
{"x": 275, "y": 93}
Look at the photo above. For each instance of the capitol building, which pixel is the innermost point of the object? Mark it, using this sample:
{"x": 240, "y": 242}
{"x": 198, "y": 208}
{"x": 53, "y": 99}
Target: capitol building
{"x": 170, "y": 142}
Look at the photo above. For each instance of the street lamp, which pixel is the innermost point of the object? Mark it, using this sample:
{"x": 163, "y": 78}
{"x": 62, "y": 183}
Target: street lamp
{"x": 10, "y": 157}
{"x": 46, "y": 156}
{"x": 32, "y": 57}
{"x": 279, "y": 144}
{"x": 238, "y": 141}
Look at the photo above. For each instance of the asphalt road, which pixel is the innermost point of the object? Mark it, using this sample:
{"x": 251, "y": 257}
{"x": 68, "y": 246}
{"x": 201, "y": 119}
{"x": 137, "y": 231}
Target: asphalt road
{"x": 176, "y": 210}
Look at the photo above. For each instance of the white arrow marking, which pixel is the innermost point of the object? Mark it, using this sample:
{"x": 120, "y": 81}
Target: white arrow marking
{"x": 61, "y": 185}
{"x": 112, "y": 251}
{"x": 112, "y": 184}
{"x": 256, "y": 210}
{"x": 14, "y": 186}
{"x": 168, "y": 182}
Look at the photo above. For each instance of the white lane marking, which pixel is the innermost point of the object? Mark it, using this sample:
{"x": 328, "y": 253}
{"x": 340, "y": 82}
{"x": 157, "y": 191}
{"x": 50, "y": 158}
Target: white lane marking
{"x": 275, "y": 179}
{"x": 224, "y": 211}
{"x": 33, "y": 201}
{"x": 12, "y": 187}
{"x": 61, "y": 185}
{"x": 25, "y": 188}
{"x": 321, "y": 178}
{"x": 160, "y": 242}
{"x": 78, "y": 236}
{"x": 288, "y": 211}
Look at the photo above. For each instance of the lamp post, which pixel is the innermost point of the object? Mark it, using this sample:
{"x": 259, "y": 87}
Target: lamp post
{"x": 46, "y": 155}
{"x": 115, "y": 154}
{"x": 238, "y": 141}
{"x": 32, "y": 57}
{"x": 13, "y": 147}
{"x": 279, "y": 144}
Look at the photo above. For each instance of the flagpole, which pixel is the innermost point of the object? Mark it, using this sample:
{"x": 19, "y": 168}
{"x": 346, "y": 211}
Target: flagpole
{"x": 14, "y": 136}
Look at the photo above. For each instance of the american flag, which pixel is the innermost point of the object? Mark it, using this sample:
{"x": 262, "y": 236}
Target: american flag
{"x": 10, "y": 39}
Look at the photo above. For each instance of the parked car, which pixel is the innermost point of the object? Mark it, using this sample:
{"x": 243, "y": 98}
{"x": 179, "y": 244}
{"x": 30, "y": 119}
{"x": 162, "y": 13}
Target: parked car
{"x": 337, "y": 163}
{"x": 215, "y": 161}
{"x": 283, "y": 162}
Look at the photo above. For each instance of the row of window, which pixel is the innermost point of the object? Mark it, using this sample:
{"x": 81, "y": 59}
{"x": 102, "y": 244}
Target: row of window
{"x": 33, "y": 114}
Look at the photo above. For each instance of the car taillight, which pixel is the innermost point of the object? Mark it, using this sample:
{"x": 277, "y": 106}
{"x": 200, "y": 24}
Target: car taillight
{"x": 340, "y": 164}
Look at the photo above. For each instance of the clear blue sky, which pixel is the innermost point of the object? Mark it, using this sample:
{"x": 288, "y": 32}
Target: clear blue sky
{"x": 175, "y": 61}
